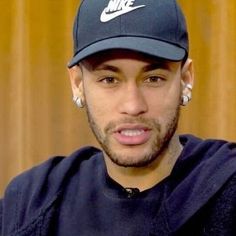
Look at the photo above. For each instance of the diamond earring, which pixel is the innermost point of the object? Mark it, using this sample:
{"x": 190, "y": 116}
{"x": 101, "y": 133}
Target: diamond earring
{"x": 78, "y": 101}
{"x": 185, "y": 100}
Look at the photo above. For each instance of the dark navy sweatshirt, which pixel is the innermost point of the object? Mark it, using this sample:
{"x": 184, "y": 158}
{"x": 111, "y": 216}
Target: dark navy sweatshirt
{"x": 75, "y": 196}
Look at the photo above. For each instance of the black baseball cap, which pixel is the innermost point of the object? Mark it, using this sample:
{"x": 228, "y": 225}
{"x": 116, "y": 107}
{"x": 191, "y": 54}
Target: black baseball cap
{"x": 154, "y": 27}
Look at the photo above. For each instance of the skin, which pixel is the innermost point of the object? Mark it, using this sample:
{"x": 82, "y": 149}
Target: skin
{"x": 132, "y": 102}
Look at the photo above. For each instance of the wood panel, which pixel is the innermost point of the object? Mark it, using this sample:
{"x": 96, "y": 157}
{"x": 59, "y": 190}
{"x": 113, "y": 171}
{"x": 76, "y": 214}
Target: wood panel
{"x": 212, "y": 26}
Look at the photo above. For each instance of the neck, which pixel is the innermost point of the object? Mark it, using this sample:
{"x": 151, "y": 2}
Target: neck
{"x": 146, "y": 177}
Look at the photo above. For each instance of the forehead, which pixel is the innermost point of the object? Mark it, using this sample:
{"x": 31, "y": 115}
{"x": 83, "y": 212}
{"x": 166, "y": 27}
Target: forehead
{"x": 111, "y": 56}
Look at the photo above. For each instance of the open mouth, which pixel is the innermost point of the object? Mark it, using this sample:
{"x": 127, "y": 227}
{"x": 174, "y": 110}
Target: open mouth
{"x": 132, "y": 135}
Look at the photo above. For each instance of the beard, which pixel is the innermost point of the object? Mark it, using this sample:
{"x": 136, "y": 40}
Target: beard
{"x": 161, "y": 137}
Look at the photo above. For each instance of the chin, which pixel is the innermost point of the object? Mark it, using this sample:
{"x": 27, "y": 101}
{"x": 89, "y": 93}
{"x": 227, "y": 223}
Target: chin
{"x": 132, "y": 157}
{"x": 131, "y": 162}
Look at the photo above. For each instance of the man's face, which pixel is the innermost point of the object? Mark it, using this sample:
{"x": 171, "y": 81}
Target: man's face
{"x": 132, "y": 102}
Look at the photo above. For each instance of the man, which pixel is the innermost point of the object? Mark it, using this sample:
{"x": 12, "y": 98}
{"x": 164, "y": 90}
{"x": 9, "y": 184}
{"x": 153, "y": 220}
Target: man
{"x": 131, "y": 72}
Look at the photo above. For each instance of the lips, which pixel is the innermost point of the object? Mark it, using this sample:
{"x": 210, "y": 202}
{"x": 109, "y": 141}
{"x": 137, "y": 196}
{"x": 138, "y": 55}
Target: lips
{"x": 132, "y": 134}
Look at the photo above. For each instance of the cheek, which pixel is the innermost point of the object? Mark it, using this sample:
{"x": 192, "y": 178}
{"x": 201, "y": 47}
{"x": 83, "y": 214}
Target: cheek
{"x": 164, "y": 106}
{"x": 165, "y": 100}
{"x": 172, "y": 95}
{"x": 98, "y": 107}
{"x": 100, "y": 100}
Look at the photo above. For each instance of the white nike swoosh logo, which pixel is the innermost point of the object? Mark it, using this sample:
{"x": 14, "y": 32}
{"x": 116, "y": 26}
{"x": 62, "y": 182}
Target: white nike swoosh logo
{"x": 105, "y": 17}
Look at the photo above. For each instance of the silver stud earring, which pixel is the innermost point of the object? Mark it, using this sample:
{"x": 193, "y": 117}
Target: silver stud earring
{"x": 185, "y": 100}
{"x": 189, "y": 86}
{"x": 78, "y": 101}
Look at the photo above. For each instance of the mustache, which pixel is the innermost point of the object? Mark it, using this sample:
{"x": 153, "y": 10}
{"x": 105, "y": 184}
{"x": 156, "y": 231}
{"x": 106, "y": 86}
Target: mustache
{"x": 147, "y": 122}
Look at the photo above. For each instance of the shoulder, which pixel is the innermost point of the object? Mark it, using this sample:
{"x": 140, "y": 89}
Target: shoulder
{"x": 34, "y": 190}
{"x": 205, "y": 171}
{"x": 207, "y": 150}
{"x": 52, "y": 172}
{"x": 204, "y": 168}
{"x": 208, "y": 146}
{"x": 210, "y": 161}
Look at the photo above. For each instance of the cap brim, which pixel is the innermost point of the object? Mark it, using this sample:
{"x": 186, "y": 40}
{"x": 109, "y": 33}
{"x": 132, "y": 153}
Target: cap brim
{"x": 149, "y": 46}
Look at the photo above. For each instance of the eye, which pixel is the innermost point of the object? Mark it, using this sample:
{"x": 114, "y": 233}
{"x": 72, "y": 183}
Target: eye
{"x": 155, "y": 80}
{"x": 109, "y": 80}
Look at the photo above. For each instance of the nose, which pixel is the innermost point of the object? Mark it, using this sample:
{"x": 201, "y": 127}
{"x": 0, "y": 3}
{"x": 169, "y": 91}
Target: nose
{"x": 133, "y": 101}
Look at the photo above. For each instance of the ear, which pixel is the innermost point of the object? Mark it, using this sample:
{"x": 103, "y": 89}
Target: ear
{"x": 187, "y": 77}
{"x": 75, "y": 75}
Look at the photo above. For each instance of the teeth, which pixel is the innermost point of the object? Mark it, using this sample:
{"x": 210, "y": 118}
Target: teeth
{"x": 132, "y": 133}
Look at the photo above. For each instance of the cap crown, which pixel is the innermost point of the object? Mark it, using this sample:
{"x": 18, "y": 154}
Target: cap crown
{"x": 100, "y": 20}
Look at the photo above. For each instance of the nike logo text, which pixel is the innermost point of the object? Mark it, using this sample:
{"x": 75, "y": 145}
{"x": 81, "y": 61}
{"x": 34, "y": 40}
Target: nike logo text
{"x": 117, "y": 8}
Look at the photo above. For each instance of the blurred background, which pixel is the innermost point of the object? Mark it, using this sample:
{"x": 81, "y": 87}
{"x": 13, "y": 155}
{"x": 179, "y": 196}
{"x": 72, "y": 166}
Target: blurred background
{"x": 37, "y": 117}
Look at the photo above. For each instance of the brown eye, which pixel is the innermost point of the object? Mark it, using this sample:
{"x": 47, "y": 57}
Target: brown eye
{"x": 154, "y": 79}
{"x": 109, "y": 80}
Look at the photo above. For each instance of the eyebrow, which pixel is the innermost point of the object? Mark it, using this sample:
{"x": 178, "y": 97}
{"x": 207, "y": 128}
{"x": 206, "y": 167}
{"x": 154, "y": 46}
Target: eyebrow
{"x": 107, "y": 67}
{"x": 155, "y": 66}
{"x": 147, "y": 68}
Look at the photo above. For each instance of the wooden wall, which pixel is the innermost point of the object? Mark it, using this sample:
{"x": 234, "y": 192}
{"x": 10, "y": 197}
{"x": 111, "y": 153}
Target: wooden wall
{"x": 37, "y": 116}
